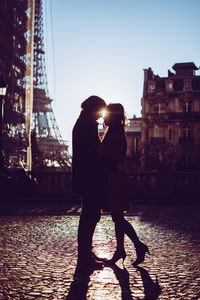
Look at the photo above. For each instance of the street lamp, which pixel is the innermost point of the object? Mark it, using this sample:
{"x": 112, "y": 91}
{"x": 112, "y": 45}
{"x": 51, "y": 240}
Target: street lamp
{"x": 3, "y": 88}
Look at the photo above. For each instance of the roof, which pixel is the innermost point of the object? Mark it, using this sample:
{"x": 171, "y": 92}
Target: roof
{"x": 186, "y": 65}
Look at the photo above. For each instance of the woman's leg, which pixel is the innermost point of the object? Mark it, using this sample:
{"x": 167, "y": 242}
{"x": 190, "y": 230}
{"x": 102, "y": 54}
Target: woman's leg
{"x": 123, "y": 226}
{"x": 131, "y": 233}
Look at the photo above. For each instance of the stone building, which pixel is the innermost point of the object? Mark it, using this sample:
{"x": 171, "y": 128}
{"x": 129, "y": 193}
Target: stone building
{"x": 133, "y": 134}
{"x": 170, "y": 133}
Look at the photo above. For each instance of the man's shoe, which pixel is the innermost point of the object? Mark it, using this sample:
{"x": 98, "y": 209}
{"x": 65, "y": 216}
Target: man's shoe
{"x": 96, "y": 258}
{"x": 95, "y": 265}
{"x": 87, "y": 267}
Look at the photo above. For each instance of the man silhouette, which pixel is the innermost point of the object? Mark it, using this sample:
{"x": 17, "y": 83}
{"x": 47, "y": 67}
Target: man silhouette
{"x": 86, "y": 172}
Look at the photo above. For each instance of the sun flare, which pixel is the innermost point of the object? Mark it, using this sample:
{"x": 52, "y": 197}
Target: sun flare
{"x": 102, "y": 113}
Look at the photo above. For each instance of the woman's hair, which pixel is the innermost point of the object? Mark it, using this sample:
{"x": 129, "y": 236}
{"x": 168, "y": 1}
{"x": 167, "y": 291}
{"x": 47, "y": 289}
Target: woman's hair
{"x": 116, "y": 114}
{"x": 93, "y": 103}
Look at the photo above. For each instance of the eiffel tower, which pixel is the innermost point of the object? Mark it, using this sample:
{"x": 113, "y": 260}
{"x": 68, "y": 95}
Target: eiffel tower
{"x": 44, "y": 126}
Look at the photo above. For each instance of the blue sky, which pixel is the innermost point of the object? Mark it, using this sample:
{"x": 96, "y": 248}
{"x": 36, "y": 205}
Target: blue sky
{"x": 101, "y": 47}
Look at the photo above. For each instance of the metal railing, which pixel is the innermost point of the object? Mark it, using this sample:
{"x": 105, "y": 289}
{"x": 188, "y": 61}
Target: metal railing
{"x": 169, "y": 186}
{"x": 144, "y": 186}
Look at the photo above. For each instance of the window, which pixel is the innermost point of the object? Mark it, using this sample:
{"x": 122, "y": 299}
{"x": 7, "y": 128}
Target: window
{"x": 187, "y": 85}
{"x": 170, "y": 134}
{"x": 169, "y": 86}
{"x": 135, "y": 145}
{"x": 187, "y": 132}
{"x": 187, "y": 138}
{"x": 157, "y": 108}
{"x": 187, "y": 157}
{"x": 186, "y": 107}
{"x": 151, "y": 86}
{"x": 158, "y": 131}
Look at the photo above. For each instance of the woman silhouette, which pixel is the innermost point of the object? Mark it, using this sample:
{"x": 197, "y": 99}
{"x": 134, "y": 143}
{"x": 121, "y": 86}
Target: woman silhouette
{"x": 113, "y": 148}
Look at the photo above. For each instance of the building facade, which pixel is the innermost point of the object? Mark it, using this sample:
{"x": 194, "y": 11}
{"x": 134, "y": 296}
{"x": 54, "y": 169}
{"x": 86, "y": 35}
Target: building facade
{"x": 133, "y": 134}
{"x": 15, "y": 37}
{"x": 170, "y": 131}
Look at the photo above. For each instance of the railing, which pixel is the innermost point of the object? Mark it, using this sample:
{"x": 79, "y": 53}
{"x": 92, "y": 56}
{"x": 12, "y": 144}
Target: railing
{"x": 169, "y": 186}
{"x": 144, "y": 186}
{"x": 173, "y": 115}
{"x": 52, "y": 183}
{"x": 186, "y": 140}
{"x": 157, "y": 140}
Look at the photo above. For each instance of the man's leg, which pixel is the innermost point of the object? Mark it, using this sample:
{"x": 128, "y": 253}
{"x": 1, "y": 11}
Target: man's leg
{"x": 89, "y": 218}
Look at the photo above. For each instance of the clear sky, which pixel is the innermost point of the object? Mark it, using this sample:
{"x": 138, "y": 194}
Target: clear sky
{"x": 102, "y": 46}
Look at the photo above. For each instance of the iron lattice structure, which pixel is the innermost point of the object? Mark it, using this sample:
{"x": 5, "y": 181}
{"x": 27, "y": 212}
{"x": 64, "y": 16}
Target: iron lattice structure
{"x": 52, "y": 148}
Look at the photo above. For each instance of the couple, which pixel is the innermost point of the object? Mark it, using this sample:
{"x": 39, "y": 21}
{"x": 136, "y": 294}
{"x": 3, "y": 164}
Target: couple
{"x": 94, "y": 163}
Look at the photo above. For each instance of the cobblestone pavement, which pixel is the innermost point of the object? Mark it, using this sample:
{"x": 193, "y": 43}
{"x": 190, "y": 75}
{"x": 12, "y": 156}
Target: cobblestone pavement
{"x": 38, "y": 252}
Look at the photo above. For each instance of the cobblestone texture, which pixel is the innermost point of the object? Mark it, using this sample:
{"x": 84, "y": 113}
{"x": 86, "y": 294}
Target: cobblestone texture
{"x": 38, "y": 256}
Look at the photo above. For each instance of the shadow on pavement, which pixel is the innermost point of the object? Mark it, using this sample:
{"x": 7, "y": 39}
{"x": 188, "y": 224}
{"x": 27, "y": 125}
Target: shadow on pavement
{"x": 179, "y": 218}
{"x": 79, "y": 286}
{"x": 151, "y": 289}
{"x": 38, "y": 209}
{"x": 122, "y": 276}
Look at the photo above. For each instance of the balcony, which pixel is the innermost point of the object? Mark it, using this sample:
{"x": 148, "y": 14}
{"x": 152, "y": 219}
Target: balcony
{"x": 174, "y": 115}
{"x": 157, "y": 115}
{"x": 186, "y": 140}
{"x": 183, "y": 115}
{"x": 158, "y": 140}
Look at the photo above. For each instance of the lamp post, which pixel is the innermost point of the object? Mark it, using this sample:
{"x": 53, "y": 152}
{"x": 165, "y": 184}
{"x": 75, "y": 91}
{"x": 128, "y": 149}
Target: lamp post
{"x": 3, "y": 88}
